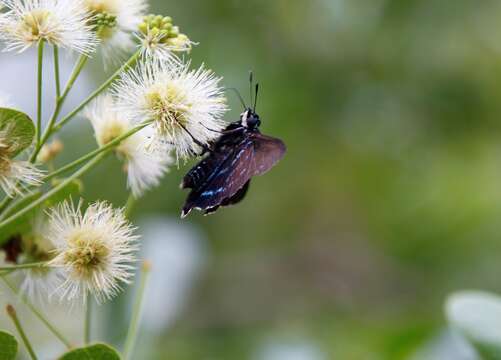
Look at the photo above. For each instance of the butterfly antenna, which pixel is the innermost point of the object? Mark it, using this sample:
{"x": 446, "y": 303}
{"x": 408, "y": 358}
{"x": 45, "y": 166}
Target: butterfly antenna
{"x": 255, "y": 97}
{"x": 251, "y": 85}
{"x": 235, "y": 90}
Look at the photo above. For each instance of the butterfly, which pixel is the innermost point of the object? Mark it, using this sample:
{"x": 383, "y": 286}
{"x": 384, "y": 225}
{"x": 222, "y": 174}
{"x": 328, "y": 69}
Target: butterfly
{"x": 222, "y": 178}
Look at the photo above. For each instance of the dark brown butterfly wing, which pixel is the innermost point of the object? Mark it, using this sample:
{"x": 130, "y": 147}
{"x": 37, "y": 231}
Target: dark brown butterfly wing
{"x": 228, "y": 182}
{"x": 268, "y": 151}
{"x": 239, "y": 196}
{"x": 235, "y": 199}
{"x": 199, "y": 173}
{"x": 222, "y": 150}
{"x": 224, "y": 182}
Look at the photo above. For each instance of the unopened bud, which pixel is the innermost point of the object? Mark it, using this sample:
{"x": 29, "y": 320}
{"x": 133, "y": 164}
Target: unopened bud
{"x": 50, "y": 151}
{"x": 161, "y": 29}
{"x": 180, "y": 43}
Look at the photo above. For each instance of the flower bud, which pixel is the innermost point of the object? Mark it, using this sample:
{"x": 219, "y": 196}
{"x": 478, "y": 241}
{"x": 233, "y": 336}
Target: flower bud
{"x": 50, "y": 151}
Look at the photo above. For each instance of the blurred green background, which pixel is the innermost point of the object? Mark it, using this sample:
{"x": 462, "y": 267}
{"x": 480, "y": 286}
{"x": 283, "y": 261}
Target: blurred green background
{"x": 390, "y": 194}
{"x": 388, "y": 199}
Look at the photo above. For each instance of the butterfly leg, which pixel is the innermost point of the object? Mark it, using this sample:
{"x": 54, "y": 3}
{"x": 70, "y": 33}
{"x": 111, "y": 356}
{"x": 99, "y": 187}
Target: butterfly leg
{"x": 204, "y": 147}
{"x": 224, "y": 132}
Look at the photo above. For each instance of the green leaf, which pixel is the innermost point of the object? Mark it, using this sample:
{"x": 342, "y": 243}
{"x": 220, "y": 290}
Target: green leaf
{"x": 24, "y": 223}
{"x": 8, "y": 346}
{"x": 477, "y": 316}
{"x": 92, "y": 352}
{"x": 20, "y": 127}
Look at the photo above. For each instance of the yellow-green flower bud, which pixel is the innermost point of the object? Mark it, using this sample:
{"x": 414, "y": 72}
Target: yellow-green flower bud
{"x": 143, "y": 28}
{"x": 159, "y": 30}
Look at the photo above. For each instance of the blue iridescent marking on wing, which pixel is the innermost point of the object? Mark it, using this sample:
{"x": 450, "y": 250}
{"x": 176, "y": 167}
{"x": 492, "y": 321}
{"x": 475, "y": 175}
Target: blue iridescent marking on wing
{"x": 212, "y": 192}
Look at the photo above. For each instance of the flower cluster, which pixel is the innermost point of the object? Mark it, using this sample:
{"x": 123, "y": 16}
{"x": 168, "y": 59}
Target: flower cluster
{"x": 155, "y": 110}
{"x": 161, "y": 39}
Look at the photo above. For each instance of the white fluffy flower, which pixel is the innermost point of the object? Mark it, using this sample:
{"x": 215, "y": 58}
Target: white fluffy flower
{"x": 94, "y": 250}
{"x": 127, "y": 14}
{"x": 15, "y": 175}
{"x": 144, "y": 167}
{"x": 186, "y": 106}
{"x": 64, "y": 23}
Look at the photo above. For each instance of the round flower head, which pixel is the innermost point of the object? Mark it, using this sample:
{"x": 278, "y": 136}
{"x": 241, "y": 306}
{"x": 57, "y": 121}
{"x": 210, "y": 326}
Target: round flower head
{"x": 161, "y": 40}
{"x": 185, "y": 106}
{"x": 15, "y": 175}
{"x": 144, "y": 167}
{"x": 64, "y": 23}
{"x": 93, "y": 250}
{"x": 117, "y": 21}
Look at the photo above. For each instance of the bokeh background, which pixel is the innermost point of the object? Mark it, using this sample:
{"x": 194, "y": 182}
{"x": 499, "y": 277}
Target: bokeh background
{"x": 388, "y": 199}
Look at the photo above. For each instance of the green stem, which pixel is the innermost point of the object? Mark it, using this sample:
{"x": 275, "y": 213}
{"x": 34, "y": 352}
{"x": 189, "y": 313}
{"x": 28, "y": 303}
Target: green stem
{"x": 5, "y": 202}
{"x": 38, "y": 314}
{"x": 74, "y": 75}
{"x": 24, "y": 266}
{"x": 56, "y": 73}
{"x": 12, "y": 206}
{"x": 81, "y": 160}
{"x": 59, "y": 104}
{"x": 39, "y": 90}
{"x": 50, "y": 193}
{"x": 136, "y": 312}
{"x": 13, "y": 315}
{"x": 88, "y": 318}
{"x": 98, "y": 91}
{"x": 52, "y": 127}
{"x": 95, "y": 152}
{"x": 129, "y": 205}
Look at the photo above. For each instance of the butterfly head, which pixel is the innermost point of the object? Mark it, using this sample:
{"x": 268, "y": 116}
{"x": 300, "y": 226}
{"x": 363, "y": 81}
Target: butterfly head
{"x": 250, "y": 120}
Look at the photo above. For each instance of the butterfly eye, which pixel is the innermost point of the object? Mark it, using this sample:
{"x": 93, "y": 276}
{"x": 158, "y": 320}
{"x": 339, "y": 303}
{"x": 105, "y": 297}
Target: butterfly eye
{"x": 253, "y": 121}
